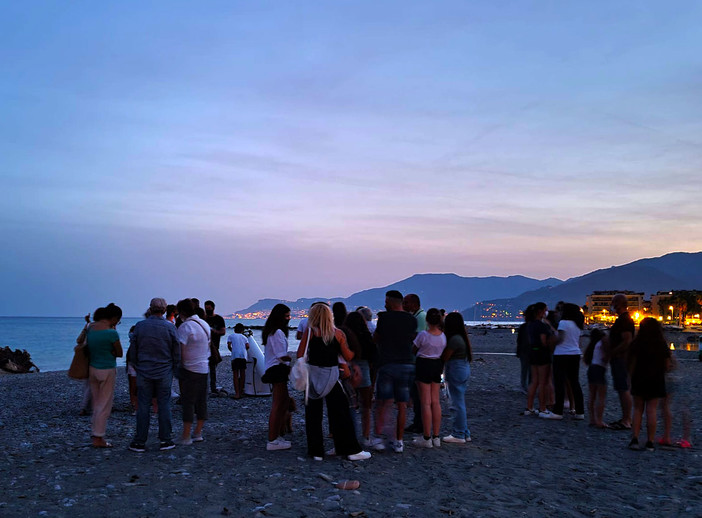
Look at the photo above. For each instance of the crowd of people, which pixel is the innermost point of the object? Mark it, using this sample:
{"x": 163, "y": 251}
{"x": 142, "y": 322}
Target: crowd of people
{"x": 548, "y": 346}
{"x": 398, "y": 362}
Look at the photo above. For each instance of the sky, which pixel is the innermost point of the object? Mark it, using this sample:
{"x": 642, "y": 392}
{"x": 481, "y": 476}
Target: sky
{"x": 242, "y": 150}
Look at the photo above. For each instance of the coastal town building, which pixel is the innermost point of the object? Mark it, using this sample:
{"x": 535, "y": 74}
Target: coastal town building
{"x": 597, "y": 304}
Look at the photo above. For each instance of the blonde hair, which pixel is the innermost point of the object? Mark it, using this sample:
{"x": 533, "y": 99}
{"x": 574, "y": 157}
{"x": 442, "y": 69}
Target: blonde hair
{"x": 321, "y": 320}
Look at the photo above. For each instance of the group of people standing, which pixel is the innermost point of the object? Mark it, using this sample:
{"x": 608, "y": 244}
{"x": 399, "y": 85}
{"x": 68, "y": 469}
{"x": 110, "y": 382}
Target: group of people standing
{"x": 548, "y": 346}
{"x": 346, "y": 353}
{"x": 161, "y": 348}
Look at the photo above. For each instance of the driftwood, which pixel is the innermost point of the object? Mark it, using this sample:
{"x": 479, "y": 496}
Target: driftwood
{"x": 16, "y": 362}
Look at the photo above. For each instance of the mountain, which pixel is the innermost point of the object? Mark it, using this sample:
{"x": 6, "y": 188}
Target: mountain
{"x": 442, "y": 290}
{"x": 675, "y": 271}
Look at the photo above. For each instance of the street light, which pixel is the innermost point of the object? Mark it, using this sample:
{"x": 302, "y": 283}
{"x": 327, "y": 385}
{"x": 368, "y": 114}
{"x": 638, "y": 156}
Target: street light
{"x": 671, "y": 312}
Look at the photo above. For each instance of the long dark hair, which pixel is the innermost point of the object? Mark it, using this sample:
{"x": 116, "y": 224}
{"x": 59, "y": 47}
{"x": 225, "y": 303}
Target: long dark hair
{"x": 276, "y": 320}
{"x": 453, "y": 325}
{"x": 572, "y": 312}
{"x": 339, "y": 311}
{"x": 649, "y": 342}
{"x": 357, "y": 333}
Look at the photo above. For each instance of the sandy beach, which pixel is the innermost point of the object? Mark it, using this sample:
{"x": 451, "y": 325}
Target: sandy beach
{"x": 515, "y": 466}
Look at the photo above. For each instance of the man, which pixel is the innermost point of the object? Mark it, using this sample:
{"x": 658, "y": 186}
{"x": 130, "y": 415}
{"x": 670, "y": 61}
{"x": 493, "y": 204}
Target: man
{"x": 620, "y": 336}
{"x": 394, "y": 334}
{"x": 155, "y": 353}
{"x": 217, "y": 331}
{"x": 411, "y": 304}
{"x": 367, "y": 314}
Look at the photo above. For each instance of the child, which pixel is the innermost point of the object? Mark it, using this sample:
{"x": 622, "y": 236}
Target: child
{"x": 673, "y": 383}
{"x": 595, "y": 358}
{"x": 238, "y": 345}
{"x": 428, "y": 346}
{"x": 649, "y": 360}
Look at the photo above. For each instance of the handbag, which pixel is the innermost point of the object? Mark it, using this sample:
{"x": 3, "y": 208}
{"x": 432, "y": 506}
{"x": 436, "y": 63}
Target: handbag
{"x": 80, "y": 365}
{"x": 300, "y": 374}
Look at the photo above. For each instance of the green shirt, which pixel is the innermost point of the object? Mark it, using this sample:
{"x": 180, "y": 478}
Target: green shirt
{"x": 421, "y": 317}
{"x": 459, "y": 346}
{"x": 100, "y": 347}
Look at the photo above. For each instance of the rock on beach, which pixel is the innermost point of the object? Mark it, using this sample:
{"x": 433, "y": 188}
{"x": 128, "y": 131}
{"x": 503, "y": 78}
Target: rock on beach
{"x": 515, "y": 466}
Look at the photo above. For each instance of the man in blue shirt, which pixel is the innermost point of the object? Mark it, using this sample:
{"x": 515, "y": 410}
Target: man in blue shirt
{"x": 154, "y": 352}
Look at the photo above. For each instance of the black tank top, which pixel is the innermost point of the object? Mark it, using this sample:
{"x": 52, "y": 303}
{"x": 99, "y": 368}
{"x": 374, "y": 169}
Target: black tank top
{"x": 323, "y": 355}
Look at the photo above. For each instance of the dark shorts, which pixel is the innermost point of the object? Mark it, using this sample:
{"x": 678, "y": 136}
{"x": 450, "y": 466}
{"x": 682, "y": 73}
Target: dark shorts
{"x": 620, "y": 376}
{"x": 393, "y": 382}
{"x": 429, "y": 370}
{"x": 596, "y": 375}
{"x": 648, "y": 388}
{"x": 238, "y": 364}
{"x": 276, "y": 374}
{"x": 193, "y": 395}
{"x": 540, "y": 356}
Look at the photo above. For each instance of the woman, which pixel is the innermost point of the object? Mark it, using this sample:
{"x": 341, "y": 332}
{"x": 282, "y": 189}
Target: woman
{"x": 323, "y": 343}
{"x": 566, "y": 361}
{"x": 340, "y": 312}
{"x": 523, "y": 348}
{"x": 428, "y": 347}
{"x": 194, "y": 337}
{"x": 541, "y": 340}
{"x": 457, "y": 357}
{"x": 277, "y": 359}
{"x": 104, "y": 348}
{"x": 364, "y": 358}
{"x": 649, "y": 360}
{"x": 86, "y": 404}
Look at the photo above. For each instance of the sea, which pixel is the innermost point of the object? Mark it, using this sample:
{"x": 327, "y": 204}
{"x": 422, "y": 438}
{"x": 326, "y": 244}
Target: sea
{"x": 50, "y": 340}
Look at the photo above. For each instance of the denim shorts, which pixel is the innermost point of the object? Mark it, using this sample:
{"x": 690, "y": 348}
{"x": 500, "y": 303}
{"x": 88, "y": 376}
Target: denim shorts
{"x": 394, "y": 380}
{"x": 365, "y": 373}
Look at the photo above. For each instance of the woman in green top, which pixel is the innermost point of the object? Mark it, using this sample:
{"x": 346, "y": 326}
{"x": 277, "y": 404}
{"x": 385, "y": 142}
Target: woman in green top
{"x": 104, "y": 348}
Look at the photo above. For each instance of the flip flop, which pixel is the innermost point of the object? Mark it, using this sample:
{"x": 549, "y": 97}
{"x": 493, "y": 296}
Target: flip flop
{"x": 618, "y": 425}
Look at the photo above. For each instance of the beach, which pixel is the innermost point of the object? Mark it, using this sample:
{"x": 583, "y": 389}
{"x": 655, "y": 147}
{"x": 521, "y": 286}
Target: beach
{"x": 515, "y": 466}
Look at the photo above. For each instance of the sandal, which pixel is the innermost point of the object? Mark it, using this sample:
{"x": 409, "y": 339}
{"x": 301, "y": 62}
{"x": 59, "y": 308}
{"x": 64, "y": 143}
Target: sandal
{"x": 618, "y": 425}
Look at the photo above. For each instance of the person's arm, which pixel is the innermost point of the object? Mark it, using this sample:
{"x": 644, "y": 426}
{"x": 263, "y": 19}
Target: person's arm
{"x": 446, "y": 355}
{"x": 345, "y": 351}
{"x": 623, "y": 346}
{"x": 229, "y": 343}
{"x": 301, "y": 348}
{"x": 117, "y": 349}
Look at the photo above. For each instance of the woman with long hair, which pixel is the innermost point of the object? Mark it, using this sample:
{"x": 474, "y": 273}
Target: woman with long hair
{"x": 649, "y": 360}
{"x": 566, "y": 361}
{"x": 428, "y": 347}
{"x": 457, "y": 357}
{"x": 365, "y": 356}
{"x": 104, "y": 348}
{"x": 340, "y": 312}
{"x": 322, "y": 344}
{"x": 275, "y": 340}
{"x": 541, "y": 340}
{"x": 595, "y": 358}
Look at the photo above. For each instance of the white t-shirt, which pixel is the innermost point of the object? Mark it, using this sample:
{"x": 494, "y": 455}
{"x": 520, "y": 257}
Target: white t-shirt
{"x": 429, "y": 345}
{"x": 238, "y": 343}
{"x": 302, "y": 326}
{"x": 571, "y": 341}
{"x": 276, "y": 346}
{"x": 194, "y": 338}
{"x": 598, "y": 355}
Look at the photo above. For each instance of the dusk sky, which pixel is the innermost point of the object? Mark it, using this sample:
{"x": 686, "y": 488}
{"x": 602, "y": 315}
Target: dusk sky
{"x": 243, "y": 150}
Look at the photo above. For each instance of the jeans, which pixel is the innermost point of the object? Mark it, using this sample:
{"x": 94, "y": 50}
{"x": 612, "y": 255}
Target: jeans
{"x": 146, "y": 390}
{"x": 567, "y": 367}
{"x": 457, "y": 373}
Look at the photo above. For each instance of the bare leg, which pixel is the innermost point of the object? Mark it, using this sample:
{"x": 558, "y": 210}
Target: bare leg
{"x": 591, "y": 404}
{"x": 638, "y": 415}
{"x": 425, "y": 399}
{"x": 278, "y": 408}
{"x": 242, "y": 382}
{"x": 198, "y": 427}
{"x": 533, "y": 384}
{"x": 625, "y": 401}
{"x": 186, "y": 430}
{"x": 435, "y": 409}
{"x": 381, "y": 413}
{"x": 651, "y": 416}
{"x": 667, "y": 419}
{"x": 600, "y": 404}
{"x": 401, "y": 418}
{"x": 366, "y": 394}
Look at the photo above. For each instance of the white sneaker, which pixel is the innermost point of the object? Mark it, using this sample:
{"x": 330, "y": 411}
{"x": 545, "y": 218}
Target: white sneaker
{"x": 361, "y": 455}
{"x": 455, "y": 440}
{"x": 377, "y": 443}
{"x": 547, "y": 414}
{"x": 436, "y": 442}
{"x": 198, "y": 438}
{"x": 185, "y": 442}
{"x": 579, "y": 417}
{"x": 331, "y": 452}
{"x": 278, "y": 444}
{"x": 422, "y": 442}
{"x": 398, "y": 446}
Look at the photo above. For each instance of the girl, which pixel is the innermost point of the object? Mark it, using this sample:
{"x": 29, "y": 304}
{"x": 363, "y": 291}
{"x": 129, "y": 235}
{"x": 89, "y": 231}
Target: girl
{"x": 325, "y": 344}
{"x": 566, "y": 361}
{"x": 595, "y": 358}
{"x": 428, "y": 346}
{"x": 104, "y": 348}
{"x": 275, "y": 339}
{"x": 457, "y": 357}
{"x": 541, "y": 341}
{"x": 649, "y": 360}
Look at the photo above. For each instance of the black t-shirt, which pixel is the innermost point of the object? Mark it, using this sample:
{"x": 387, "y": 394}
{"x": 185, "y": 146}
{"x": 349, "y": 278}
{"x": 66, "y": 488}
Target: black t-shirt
{"x": 536, "y": 328}
{"x": 395, "y": 332}
{"x": 215, "y": 322}
{"x": 623, "y": 324}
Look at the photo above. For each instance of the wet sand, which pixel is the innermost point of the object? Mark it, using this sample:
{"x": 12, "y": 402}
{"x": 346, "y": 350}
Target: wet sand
{"x": 515, "y": 466}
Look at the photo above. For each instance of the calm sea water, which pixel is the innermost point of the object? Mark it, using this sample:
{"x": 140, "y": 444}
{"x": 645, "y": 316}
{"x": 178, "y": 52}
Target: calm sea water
{"x": 50, "y": 340}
